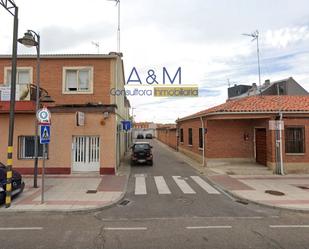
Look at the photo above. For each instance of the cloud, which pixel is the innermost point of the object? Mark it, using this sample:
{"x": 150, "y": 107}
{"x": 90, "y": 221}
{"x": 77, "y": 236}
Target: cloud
{"x": 60, "y": 37}
{"x": 281, "y": 38}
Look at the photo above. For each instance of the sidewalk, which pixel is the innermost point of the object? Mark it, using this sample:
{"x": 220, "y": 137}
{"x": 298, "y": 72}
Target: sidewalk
{"x": 248, "y": 182}
{"x": 76, "y": 192}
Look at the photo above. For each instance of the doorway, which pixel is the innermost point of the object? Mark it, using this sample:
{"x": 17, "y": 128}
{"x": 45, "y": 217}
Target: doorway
{"x": 261, "y": 146}
{"x": 86, "y": 153}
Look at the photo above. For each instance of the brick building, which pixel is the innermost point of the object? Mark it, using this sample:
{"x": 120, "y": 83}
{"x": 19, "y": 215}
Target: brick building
{"x": 167, "y": 134}
{"x": 239, "y": 130}
{"x": 144, "y": 128}
{"x": 86, "y": 133}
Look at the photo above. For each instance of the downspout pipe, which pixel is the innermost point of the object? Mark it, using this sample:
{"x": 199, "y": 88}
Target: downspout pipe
{"x": 203, "y": 138}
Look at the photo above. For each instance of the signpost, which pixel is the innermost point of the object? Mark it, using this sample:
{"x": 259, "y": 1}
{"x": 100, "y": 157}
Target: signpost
{"x": 44, "y": 119}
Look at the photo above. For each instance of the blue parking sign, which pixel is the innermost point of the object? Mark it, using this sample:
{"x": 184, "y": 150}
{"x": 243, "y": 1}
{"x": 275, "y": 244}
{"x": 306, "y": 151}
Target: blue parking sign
{"x": 44, "y": 134}
{"x": 126, "y": 125}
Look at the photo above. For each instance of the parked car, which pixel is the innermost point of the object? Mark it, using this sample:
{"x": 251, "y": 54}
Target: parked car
{"x": 141, "y": 153}
{"x": 148, "y": 136}
{"x": 17, "y": 183}
{"x": 140, "y": 136}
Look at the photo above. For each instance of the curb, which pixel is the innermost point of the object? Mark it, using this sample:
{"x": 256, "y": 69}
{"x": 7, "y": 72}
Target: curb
{"x": 77, "y": 210}
{"x": 228, "y": 192}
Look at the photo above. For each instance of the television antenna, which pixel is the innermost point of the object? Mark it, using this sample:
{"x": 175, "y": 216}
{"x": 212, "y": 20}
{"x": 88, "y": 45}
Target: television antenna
{"x": 97, "y": 45}
{"x": 117, "y": 2}
{"x": 255, "y": 35}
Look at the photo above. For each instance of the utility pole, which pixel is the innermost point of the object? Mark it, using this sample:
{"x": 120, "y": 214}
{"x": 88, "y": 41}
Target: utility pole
{"x": 11, "y": 7}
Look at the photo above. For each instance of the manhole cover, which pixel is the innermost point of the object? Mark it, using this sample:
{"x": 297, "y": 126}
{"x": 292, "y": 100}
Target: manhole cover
{"x": 124, "y": 203}
{"x": 273, "y": 192}
{"x": 230, "y": 173}
{"x": 92, "y": 191}
{"x": 303, "y": 187}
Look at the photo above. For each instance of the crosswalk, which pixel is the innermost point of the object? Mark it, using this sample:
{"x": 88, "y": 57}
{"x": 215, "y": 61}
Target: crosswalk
{"x": 164, "y": 189}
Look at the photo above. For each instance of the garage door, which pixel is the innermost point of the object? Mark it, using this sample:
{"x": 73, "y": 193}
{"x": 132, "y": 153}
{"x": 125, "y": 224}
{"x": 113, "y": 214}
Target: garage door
{"x": 260, "y": 145}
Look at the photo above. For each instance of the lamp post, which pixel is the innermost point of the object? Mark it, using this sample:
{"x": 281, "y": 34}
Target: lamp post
{"x": 12, "y": 8}
{"x": 32, "y": 39}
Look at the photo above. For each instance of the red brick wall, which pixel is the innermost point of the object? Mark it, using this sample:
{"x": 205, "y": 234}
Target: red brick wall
{"x": 195, "y": 124}
{"x": 168, "y": 136}
{"x": 51, "y": 77}
{"x": 225, "y": 139}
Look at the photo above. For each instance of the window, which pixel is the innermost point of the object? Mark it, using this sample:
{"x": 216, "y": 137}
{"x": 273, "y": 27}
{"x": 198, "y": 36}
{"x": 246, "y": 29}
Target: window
{"x": 190, "y": 136}
{"x": 294, "y": 140}
{"x": 77, "y": 80}
{"x": 181, "y": 135}
{"x": 26, "y": 147}
{"x": 23, "y": 76}
{"x": 200, "y": 137}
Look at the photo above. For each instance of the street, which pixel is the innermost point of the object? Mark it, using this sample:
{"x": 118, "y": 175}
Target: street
{"x": 168, "y": 205}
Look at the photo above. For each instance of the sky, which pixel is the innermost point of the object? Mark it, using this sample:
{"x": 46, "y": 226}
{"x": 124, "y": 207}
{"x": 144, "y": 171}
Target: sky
{"x": 203, "y": 37}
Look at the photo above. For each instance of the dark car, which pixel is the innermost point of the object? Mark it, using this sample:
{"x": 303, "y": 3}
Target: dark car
{"x": 140, "y": 136}
{"x": 148, "y": 136}
{"x": 17, "y": 183}
{"x": 141, "y": 153}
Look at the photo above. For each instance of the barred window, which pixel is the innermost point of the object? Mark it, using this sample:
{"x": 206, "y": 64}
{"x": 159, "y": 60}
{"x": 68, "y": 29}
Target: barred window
{"x": 200, "y": 135}
{"x": 181, "y": 135}
{"x": 26, "y": 147}
{"x": 190, "y": 139}
{"x": 294, "y": 140}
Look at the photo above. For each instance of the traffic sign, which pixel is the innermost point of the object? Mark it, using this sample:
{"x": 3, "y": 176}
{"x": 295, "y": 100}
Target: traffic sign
{"x": 44, "y": 134}
{"x": 43, "y": 116}
{"x": 126, "y": 125}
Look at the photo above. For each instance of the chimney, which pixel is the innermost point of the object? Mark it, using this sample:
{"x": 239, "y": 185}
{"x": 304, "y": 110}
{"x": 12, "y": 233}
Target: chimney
{"x": 267, "y": 82}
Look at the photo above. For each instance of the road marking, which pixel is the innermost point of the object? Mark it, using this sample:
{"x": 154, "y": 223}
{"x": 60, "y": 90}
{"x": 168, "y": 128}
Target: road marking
{"x": 209, "y": 227}
{"x": 161, "y": 185}
{"x": 183, "y": 185}
{"x": 125, "y": 228}
{"x": 289, "y": 226}
{"x": 206, "y": 186}
{"x": 140, "y": 185}
{"x": 19, "y": 228}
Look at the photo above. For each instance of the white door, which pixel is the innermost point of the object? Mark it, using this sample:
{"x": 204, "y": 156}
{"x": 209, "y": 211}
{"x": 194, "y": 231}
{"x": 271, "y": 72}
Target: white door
{"x": 86, "y": 153}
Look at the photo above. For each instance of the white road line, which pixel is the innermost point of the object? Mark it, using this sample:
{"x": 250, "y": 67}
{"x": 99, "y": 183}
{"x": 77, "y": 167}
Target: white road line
{"x": 289, "y": 226}
{"x": 140, "y": 185}
{"x": 204, "y": 185}
{"x": 125, "y": 228}
{"x": 183, "y": 185}
{"x": 162, "y": 186}
{"x": 19, "y": 228}
{"x": 209, "y": 227}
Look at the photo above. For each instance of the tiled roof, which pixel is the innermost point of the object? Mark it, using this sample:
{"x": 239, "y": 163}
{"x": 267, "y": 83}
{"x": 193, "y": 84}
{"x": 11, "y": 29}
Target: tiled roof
{"x": 57, "y": 56}
{"x": 260, "y": 104}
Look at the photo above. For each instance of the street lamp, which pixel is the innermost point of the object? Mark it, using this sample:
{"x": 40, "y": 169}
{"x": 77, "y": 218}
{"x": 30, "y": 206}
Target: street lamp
{"x": 32, "y": 39}
{"x": 12, "y": 8}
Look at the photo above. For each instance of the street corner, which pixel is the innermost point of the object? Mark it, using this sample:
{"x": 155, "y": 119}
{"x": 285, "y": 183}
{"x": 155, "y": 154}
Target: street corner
{"x": 75, "y": 193}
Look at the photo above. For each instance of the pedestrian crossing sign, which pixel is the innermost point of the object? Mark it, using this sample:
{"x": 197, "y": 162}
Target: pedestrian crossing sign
{"x": 44, "y": 134}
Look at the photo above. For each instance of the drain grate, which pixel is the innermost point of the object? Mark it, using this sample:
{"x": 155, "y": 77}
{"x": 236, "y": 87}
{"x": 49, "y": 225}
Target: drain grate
{"x": 124, "y": 203}
{"x": 274, "y": 192}
{"x": 91, "y": 191}
{"x": 242, "y": 202}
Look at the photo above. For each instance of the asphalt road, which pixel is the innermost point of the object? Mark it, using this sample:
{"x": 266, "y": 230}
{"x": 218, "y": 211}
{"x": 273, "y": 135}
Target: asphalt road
{"x": 158, "y": 214}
